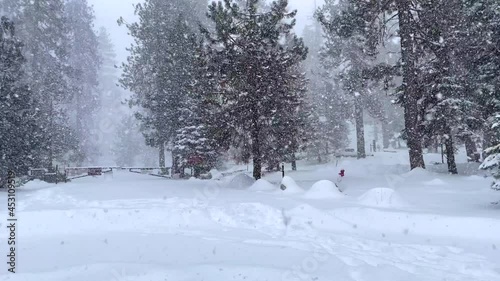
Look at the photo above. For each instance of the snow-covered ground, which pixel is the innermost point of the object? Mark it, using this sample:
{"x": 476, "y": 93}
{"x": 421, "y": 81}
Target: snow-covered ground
{"x": 389, "y": 224}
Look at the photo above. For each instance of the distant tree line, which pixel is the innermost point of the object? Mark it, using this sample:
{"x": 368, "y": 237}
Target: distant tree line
{"x": 447, "y": 75}
{"x": 234, "y": 76}
{"x": 56, "y": 72}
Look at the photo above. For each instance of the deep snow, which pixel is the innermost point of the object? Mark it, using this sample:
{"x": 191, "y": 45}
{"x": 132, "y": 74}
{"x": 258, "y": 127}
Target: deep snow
{"x": 389, "y": 224}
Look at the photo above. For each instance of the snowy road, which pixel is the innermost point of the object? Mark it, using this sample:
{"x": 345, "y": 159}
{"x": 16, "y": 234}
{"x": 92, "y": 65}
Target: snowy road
{"x": 136, "y": 227}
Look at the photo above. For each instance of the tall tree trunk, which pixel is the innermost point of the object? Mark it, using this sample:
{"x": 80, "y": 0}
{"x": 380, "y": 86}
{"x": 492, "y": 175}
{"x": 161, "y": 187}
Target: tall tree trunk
{"x": 450, "y": 154}
{"x": 410, "y": 96}
{"x": 360, "y": 130}
{"x": 386, "y": 134}
{"x": 50, "y": 159}
{"x": 294, "y": 162}
{"x": 175, "y": 169}
{"x": 161, "y": 156}
{"x": 79, "y": 128}
{"x": 257, "y": 158}
{"x": 487, "y": 141}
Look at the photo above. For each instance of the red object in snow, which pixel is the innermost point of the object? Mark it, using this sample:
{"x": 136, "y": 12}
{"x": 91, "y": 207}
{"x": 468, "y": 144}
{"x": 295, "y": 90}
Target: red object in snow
{"x": 195, "y": 160}
{"x": 342, "y": 173}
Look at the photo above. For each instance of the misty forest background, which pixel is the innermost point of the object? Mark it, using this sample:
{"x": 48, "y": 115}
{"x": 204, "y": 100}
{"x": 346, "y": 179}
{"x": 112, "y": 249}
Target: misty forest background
{"x": 233, "y": 80}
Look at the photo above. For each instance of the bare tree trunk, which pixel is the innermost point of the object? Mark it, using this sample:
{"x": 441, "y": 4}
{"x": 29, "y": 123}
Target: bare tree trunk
{"x": 385, "y": 135}
{"x": 161, "y": 155}
{"x": 257, "y": 158}
{"x": 50, "y": 160}
{"x": 294, "y": 162}
{"x": 487, "y": 141}
{"x": 450, "y": 155}
{"x": 360, "y": 130}
{"x": 411, "y": 96}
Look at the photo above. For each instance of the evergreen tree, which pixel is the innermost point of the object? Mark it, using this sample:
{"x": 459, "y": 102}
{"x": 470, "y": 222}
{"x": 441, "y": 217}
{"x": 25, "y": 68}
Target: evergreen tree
{"x": 257, "y": 52}
{"x": 85, "y": 62}
{"x": 327, "y": 127}
{"x": 42, "y": 28}
{"x": 481, "y": 57}
{"x": 18, "y": 111}
{"x": 193, "y": 146}
{"x": 159, "y": 69}
{"x": 349, "y": 51}
{"x": 111, "y": 97}
{"x": 492, "y": 161}
{"x": 127, "y": 143}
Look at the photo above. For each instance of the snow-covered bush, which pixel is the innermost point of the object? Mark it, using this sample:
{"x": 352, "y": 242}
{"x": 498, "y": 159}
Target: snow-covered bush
{"x": 492, "y": 162}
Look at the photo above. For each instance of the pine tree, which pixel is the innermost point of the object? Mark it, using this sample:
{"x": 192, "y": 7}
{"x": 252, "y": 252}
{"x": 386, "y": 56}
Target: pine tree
{"x": 159, "y": 69}
{"x": 286, "y": 131}
{"x": 18, "y": 107}
{"x": 127, "y": 143}
{"x": 492, "y": 161}
{"x": 256, "y": 51}
{"x": 327, "y": 130}
{"x": 111, "y": 97}
{"x": 85, "y": 62}
{"x": 193, "y": 146}
{"x": 349, "y": 51}
{"x": 481, "y": 57}
{"x": 42, "y": 28}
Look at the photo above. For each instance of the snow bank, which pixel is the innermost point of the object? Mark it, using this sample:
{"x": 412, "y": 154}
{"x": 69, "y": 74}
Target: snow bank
{"x": 241, "y": 181}
{"x": 382, "y": 197}
{"x": 216, "y": 175}
{"x": 262, "y": 185}
{"x": 324, "y": 189}
{"x": 288, "y": 185}
{"x": 435, "y": 182}
{"x": 417, "y": 173}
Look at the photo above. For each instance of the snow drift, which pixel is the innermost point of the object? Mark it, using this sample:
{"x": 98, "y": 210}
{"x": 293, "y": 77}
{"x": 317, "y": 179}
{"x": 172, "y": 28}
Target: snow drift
{"x": 382, "y": 197}
{"x": 324, "y": 189}
{"x": 216, "y": 175}
{"x": 241, "y": 181}
{"x": 262, "y": 185}
{"x": 288, "y": 185}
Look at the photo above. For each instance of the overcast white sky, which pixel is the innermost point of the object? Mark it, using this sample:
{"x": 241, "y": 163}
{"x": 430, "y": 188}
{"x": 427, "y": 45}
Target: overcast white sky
{"x": 108, "y": 11}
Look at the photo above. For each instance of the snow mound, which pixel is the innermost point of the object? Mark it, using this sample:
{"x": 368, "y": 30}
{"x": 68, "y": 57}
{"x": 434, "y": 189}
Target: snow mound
{"x": 262, "y": 185}
{"x": 435, "y": 182}
{"x": 216, "y": 175}
{"x": 324, "y": 189}
{"x": 288, "y": 185}
{"x": 416, "y": 173}
{"x": 382, "y": 197}
{"x": 241, "y": 181}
